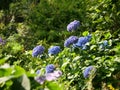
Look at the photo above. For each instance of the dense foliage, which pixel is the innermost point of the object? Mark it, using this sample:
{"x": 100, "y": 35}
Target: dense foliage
{"x": 59, "y": 45}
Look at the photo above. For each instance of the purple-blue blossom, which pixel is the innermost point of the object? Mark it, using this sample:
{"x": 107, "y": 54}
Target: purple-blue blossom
{"x": 73, "y": 25}
{"x": 37, "y": 51}
{"x": 48, "y": 77}
{"x": 53, "y": 76}
{"x": 70, "y": 40}
{"x": 82, "y": 41}
{"x": 40, "y": 79}
{"x": 54, "y": 50}
{"x": 50, "y": 68}
{"x": 87, "y": 71}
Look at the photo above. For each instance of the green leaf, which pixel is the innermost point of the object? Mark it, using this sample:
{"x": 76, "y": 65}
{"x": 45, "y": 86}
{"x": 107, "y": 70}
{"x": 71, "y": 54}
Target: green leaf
{"x": 9, "y": 83}
{"x": 107, "y": 35}
{"x": 2, "y": 60}
{"x": 85, "y": 33}
{"x": 54, "y": 86}
{"x": 107, "y": 18}
{"x": 18, "y": 71}
{"x": 66, "y": 62}
{"x": 97, "y": 10}
{"x": 5, "y": 72}
{"x": 93, "y": 47}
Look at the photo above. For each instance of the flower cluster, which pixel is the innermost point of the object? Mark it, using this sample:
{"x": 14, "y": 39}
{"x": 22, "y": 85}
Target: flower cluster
{"x": 73, "y": 25}
{"x": 82, "y": 42}
{"x": 53, "y": 76}
{"x": 40, "y": 79}
{"x": 71, "y": 40}
{"x": 88, "y": 70}
{"x": 37, "y": 51}
{"x": 50, "y": 68}
{"x": 50, "y": 72}
{"x": 49, "y": 76}
{"x": 54, "y": 50}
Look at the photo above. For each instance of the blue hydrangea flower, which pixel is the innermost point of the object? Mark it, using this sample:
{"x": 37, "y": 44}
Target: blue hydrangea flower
{"x": 37, "y": 51}
{"x": 87, "y": 71}
{"x": 54, "y": 50}
{"x": 73, "y": 25}
{"x": 70, "y": 40}
{"x": 82, "y": 41}
{"x": 50, "y": 68}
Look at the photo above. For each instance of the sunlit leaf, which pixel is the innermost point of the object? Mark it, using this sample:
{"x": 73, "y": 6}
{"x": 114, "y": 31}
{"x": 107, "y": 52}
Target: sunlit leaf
{"x": 54, "y": 86}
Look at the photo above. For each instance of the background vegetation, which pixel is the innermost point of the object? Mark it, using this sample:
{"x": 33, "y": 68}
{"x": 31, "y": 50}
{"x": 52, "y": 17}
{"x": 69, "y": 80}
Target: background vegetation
{"x": 25, "y": 24}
